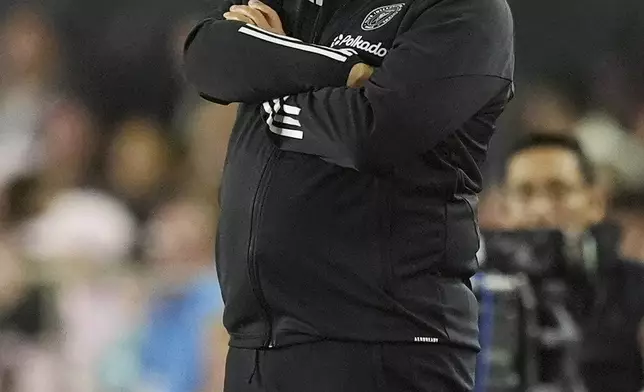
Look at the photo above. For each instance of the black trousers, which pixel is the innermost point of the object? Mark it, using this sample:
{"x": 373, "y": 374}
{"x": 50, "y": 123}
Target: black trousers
{"x": 330, "y": 366}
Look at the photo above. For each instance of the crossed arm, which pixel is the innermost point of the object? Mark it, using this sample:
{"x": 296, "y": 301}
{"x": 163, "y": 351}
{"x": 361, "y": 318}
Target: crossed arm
{"x": 248, "y": 58}
{"x": 453, "y": 60}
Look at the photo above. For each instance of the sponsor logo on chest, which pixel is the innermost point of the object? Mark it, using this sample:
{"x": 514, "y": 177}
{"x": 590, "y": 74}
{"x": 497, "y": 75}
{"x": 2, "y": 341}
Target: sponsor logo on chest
{"x": 349, "y": 41}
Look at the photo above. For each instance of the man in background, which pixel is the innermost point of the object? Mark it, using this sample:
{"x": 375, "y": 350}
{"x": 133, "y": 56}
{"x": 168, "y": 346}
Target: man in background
{"x": 550, "y": 184}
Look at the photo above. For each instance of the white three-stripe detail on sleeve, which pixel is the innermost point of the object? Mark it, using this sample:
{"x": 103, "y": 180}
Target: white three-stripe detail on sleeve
{"x": 276, "y": 122}
{"x": 280, "y": 40}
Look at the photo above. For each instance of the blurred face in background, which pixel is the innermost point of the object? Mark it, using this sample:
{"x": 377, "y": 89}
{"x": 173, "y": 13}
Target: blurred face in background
{"x": 179, "y": 241}
{"x": 546, "y": 189}
{"x": 68, "y": 140}
{"x": 138, "y": 159}
{"x": 29, "y": 45}
{"x": 208, "y": 130}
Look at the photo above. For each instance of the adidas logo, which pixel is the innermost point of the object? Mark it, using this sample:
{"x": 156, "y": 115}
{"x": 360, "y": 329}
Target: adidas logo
{"x": 348, "y": 41}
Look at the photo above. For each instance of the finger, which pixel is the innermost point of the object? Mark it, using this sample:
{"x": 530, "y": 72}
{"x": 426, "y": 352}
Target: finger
{"x": 271, "y": 15}
{"x": 238, "y": 17}
{"x": 255, "y": 15}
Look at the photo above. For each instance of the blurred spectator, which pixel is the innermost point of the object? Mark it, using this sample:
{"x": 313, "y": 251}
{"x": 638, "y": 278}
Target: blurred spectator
{"x": 69, "y": 137}
{"x": 182, "y": 344}
{"x": 550, "y": 184}
{"x": 178, "y": 354}
{"x": 628, "y": 210}
{"x": 97, "y": 307}
{"x": 28, "y": 349}
{"x": 82, "y": 226}
{"x": 141, "y": 164}
{"x": 207, "y": 132}
{"x": 29, "y": 332}
{"x": 63, "y": 219}
{"x": 28, "y": 81}
{"x": 78, "y": 240}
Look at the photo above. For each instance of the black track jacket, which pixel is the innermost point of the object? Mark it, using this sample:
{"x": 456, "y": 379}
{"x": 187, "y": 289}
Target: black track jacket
{"x": 350, "y": 213}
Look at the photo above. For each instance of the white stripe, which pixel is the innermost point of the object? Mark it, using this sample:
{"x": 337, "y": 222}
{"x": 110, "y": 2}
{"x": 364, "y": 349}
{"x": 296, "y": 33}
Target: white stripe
{"x": 294, "y": 45}
{"x": 283, "y": 131}
{"x": 318, "y": 2}
{"x": 349, "y": 52}
{"x": 288, "y": 120}
{"x": 286, "y": 132}
{"x": 292, "y": 110}
{"x": 284, "y": 37}
{"x": 273, "y": 117}
{"x": 341, "y": 51}
{"x": 277, "y": 106}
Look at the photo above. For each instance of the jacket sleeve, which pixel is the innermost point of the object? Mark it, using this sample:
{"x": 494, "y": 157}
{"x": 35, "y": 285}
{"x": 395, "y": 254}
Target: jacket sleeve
{"x": 454, "y": 59}
{"x": 229, "y": 61}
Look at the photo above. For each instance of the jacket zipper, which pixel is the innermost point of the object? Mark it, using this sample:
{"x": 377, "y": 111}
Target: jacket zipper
{"x": 253, "y": 270}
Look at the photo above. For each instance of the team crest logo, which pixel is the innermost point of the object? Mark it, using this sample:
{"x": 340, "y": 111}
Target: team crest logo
{"x": 381, "y": 16}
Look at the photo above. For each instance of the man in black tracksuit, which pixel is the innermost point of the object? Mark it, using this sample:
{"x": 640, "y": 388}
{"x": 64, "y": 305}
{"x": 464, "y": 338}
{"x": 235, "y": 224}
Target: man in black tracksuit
{"x": 348, "y": 228}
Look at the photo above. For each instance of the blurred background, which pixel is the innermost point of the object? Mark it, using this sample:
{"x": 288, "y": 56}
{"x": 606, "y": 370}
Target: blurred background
{"x": 110, "y": 165}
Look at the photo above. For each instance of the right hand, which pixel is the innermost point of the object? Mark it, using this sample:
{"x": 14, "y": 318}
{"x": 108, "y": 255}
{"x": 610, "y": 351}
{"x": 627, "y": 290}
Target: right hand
{"x": 258, "y": 14}
{"x": 359, "y": 74}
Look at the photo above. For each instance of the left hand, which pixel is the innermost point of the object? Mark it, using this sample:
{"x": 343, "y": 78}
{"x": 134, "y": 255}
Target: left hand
{"x": 359, "y": 74}
{"x": 258, "y": 14}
